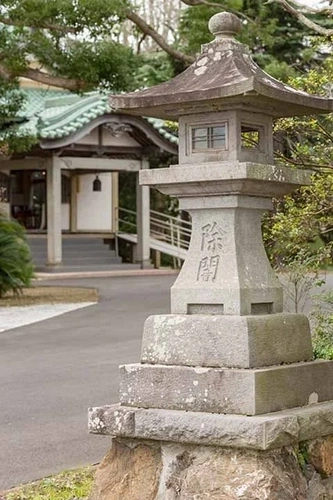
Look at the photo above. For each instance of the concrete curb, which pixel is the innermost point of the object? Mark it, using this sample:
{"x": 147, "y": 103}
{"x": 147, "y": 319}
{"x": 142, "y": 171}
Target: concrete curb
{"x": 106, "y": 274}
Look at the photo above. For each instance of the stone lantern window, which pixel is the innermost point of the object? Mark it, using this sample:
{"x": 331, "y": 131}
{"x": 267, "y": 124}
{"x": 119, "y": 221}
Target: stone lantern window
{"x": 229, "y": 135}
{"x": 208, "y": 137}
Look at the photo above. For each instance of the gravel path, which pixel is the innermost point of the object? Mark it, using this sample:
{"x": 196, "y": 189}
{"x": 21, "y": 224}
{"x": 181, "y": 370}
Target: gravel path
{"x": 13, "y": 317}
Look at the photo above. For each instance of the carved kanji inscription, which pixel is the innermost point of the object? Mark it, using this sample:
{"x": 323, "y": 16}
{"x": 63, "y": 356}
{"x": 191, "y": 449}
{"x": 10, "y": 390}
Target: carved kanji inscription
{"x": 212, "y": 237}
{"x": 208, "y": 267}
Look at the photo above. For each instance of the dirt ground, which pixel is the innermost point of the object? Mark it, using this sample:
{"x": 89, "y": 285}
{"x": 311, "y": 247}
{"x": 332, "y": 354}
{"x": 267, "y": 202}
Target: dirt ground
{"x": 50, "y": 295}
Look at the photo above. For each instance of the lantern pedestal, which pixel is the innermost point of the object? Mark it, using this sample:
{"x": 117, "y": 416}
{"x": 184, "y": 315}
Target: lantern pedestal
{"x": 226, "y": 381}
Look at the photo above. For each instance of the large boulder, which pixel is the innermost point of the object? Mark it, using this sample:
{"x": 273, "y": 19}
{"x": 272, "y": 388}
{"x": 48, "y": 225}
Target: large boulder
{"x": 128, "y": 471}
{"x": 147, "y": 470}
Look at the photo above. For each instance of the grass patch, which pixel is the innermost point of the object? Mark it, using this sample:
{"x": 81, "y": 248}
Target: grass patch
{"x": 50, "y": 295}
{"x": 68, "y": 485}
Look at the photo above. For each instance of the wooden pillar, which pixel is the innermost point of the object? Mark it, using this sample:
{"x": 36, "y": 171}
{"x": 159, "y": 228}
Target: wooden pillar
{"x": 115, "y": 200}
{"x": 157, "y": 259}
{"x": 143, "y": 220}
{"x": 54, "y": 243}
{"x": 75, "y": 179}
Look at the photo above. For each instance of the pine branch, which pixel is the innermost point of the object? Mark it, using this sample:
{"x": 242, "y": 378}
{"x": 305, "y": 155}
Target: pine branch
{"x": 41, "y": 25}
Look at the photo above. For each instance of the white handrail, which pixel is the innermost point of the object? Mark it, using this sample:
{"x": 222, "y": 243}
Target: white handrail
{"x": 173, "y": 230}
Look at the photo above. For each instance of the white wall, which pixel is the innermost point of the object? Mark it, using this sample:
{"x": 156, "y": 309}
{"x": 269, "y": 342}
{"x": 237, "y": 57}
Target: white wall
{"x": 5, "y": 207}
{"x": 94, "y": 207}
{"x": 65, "y": 216}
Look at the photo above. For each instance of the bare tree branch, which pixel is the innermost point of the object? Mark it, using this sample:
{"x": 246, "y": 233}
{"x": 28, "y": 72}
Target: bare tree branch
{"x": 142, "y": 38}
{"x": 193, "y": 3}
{"x": 312, "y": 10}
{"x": 55, "y": 81}
{"x": 42, "y": 25}
{"x": 161, "y": 42}
{"x": 303, "y": 164}
{"x": 45, "y": 78}
{"x": 302, "y": 18}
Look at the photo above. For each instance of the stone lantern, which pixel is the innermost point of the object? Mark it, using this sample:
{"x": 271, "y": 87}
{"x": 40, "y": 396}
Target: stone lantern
{"x": 227, "y": 369}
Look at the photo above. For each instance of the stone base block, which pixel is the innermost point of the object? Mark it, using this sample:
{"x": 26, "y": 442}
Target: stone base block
{"x": 226, "y": 341}
{"x": 148, "y": 470}
{"x": 234, "y": 431}
{"x": 224, "y": 390}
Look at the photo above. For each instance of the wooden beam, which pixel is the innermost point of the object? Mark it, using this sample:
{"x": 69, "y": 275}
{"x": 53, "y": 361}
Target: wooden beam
{"x": 107, "y": 151}
{"x": 24, "y": 164}
{"x": 99, "y": 164}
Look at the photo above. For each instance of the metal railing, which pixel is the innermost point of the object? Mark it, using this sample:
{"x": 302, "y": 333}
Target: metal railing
{"x": 174, "y": 231}
{"x": 125, "y": 221}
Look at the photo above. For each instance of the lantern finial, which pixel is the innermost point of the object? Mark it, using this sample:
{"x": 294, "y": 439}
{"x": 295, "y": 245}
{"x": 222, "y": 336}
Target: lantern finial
{"x": 224, "y": 25}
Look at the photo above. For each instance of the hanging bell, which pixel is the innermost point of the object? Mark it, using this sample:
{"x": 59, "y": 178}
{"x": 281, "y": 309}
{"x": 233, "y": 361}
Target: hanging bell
{"x": 97, "y": 184}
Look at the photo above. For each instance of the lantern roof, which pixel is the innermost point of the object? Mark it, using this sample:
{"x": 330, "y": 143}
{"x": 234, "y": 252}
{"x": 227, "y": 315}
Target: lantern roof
{"x": 223, "y": 77}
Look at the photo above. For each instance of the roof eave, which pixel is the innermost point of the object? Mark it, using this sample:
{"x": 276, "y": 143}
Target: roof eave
{"x": 276, "y": 102}
{"x": 171, "y": 107}
{"x": 291, "y": 102}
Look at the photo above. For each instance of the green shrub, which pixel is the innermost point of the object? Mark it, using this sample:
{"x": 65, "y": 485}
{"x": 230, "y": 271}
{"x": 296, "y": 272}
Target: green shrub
{"x": 16, "y": 269}
{"x": 322, "y": 319}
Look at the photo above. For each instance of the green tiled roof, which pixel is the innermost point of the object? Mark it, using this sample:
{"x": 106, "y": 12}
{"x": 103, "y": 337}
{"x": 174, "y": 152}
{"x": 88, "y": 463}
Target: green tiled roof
{"x": 54, "y": 114}
{"x": 160, "y": 126}
{"x": 35, "y": 100}
{"x": 65, "y": 115}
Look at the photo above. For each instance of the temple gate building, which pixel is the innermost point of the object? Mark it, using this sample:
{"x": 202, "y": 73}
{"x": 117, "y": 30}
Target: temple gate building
{"x": 68, "y": 183}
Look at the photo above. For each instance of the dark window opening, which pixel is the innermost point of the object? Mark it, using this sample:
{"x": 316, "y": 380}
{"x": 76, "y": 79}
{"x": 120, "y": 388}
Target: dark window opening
{"x": 65, "y": 189}
{"x": 250, "y": 136}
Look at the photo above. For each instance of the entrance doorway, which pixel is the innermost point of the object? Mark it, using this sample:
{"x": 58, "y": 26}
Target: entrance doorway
{"x": 28, "y": 197}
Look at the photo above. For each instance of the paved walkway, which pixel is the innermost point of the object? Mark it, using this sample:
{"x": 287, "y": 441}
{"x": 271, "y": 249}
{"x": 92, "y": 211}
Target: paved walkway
{"x": 52, "y": 371}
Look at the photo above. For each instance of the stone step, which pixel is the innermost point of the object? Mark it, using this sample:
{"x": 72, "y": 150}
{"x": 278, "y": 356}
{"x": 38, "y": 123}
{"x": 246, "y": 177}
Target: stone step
{"x": 224, "y": 341}
{"x": 82, "y": 252}
{"x": 87, "y": 268}
{"x": 78, "y": 253}
{"x": 71, "y": 245}
{"x": 225, "y": 390}
{"x": 79, "y": 261}
{"x": 261, "y": 432}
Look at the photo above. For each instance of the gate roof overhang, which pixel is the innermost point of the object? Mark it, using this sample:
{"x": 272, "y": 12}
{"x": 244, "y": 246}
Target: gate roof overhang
{"x": 60, "y": 120}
